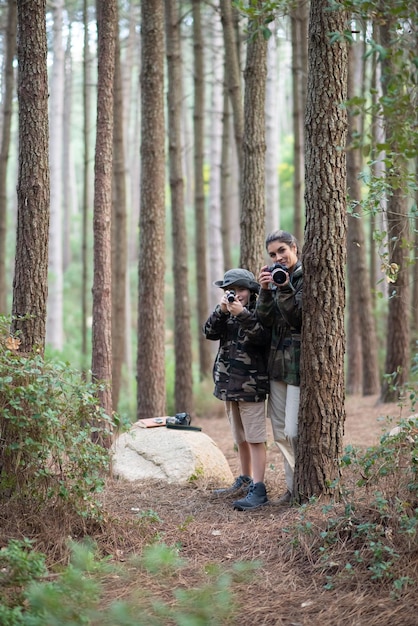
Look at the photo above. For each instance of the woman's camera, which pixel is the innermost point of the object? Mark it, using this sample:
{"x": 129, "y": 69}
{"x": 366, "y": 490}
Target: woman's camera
{"x": 230, "y": 295}
{"x": 278, "y": 273}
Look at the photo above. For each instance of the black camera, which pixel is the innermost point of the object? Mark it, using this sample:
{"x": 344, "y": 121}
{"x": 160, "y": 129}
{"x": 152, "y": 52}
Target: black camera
{"x": 230, "y": 296}
{"x": 179, "y": 419}
{"x": 278, "y": 273}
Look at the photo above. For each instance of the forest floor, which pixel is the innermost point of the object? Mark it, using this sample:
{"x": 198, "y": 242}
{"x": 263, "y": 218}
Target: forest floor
{"x": 292, "y": 585}
{"x": 289, "y": 588}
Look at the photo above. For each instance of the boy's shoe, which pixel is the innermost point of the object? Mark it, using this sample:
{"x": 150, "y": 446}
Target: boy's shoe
{"x": 240, "y": 485}
{"x": 256, "y": 496}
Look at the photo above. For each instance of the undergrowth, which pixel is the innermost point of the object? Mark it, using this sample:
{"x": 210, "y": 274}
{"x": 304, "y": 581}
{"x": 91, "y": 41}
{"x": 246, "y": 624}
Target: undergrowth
{"x": 48, "y": 417}
{"x": 371, "y": 534}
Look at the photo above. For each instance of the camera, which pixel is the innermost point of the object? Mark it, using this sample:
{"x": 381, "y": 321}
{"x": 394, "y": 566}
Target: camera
{"x": 230, "y": 295}
{"x": 179, "y": 419}
{"x": 278, "y": 273}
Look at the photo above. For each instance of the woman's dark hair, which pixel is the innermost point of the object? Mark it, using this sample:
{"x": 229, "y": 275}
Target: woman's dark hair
{"x": 285, "y": 237}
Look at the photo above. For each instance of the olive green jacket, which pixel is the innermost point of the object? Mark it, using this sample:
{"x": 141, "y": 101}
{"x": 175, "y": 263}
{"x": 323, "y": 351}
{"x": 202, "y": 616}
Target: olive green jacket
{"x": 280, "y": 309}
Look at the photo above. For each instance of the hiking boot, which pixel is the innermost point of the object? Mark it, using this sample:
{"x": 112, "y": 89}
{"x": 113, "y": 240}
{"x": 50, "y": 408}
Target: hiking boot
{"x": 240, "y": 485}
{"x": 256, "y": 496}
{"x": 286, "y": 498}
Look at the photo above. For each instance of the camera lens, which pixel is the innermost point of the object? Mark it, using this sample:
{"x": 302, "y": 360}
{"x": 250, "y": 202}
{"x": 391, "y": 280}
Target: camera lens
{"x": 231, "y": 296}
{"x": 278, "y": 274}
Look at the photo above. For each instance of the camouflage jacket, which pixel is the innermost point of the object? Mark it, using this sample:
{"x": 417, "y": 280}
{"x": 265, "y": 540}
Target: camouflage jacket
{"x": 281, "y": 310}
{"x": 240, "y": 368}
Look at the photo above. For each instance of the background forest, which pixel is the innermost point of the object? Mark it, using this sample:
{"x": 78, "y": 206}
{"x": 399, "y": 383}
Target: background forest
{"x": 212, "y": 111}
{"x": 146, "y": 147}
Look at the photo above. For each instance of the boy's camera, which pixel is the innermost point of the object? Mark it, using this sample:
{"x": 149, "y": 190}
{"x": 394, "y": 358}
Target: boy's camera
{"x": 278, "y": 273}
{"x": 230, "y": 295}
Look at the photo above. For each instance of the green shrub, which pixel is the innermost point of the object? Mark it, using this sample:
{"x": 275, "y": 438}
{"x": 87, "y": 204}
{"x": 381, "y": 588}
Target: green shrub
{"x": 78, "y": 594}
{"x": 48, "y": 415}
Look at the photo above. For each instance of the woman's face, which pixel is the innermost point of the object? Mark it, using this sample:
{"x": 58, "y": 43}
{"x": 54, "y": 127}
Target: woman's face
{"x": 280, "y": 252}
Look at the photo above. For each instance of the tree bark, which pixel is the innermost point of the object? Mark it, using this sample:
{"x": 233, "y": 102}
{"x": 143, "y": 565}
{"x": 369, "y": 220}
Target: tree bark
{"x": 183, "y": 385}
{"x": 322, "y": 413}
{"x": 102, "y": 217}
{"x": 151, "y": 400}
{"x": 254, "y": 150}
{"x": 30, "y": 284}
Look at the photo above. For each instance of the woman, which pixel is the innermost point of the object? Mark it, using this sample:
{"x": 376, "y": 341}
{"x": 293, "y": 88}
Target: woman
{"x": 279, "y": 307}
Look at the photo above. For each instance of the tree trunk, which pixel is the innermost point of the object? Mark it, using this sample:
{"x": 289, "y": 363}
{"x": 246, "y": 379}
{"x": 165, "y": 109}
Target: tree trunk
{"x": 55, "y": 318}
{"x": 397, "y": 363}
{"x": 233, "y": 74}
{"x": 86, "y": 186}
{"x": 7, "y": 111}
{"x": 183, "y": 387}
{"x": 363, "y": 369}
{"x": 205, "y": 357}
{"x": 30, "y": 285}
{"x": 299, "y": 25}
{"x": 254, "y": 149}
{"x": 272, "y": 137}
{"x": 119, "y": 236}
{"x": 151, "y": 399}
{"x": 102, "y": 280}
{"x": 214, "y": 237}
{"x": 322, "y": 413}
{"x": 226, "y": 184}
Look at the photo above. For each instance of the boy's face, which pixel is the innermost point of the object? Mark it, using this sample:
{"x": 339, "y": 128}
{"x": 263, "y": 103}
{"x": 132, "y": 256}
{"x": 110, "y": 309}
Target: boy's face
{"x": 242, "y": 293}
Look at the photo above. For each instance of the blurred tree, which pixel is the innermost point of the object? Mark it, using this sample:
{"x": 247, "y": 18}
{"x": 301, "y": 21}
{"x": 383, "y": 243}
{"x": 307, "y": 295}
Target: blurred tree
{"x": 54, "y": 322}
{"x": 183, "y": 386}
{"x": 254, "y": 142}
{"x": 322, "y": 413}
{"x": 205, "y": 357}
{"x": 216, "y": 86}
{"x": 398, "y": 357}
{"x": 151, "y": 398}
{"x": 102, "y": 285}
{"x": 362, "y": 363}
{"x": 299, "y": 30}
{"x": 8, "y": 89}
{"x": 30, "y": 284}
{"x": 119, "y": 234}
{"x": 85, "y": 204}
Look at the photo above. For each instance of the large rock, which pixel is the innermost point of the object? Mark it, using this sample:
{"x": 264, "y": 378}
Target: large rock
{"x": 175, "y": 456}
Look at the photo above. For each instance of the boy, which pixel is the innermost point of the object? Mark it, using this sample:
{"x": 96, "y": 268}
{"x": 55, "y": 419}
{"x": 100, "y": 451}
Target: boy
{"x": 241, "y": 380}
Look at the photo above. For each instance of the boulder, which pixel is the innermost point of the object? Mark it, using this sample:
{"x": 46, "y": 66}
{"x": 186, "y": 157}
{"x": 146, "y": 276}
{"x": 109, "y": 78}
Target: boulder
{"x": 174, "y": 456}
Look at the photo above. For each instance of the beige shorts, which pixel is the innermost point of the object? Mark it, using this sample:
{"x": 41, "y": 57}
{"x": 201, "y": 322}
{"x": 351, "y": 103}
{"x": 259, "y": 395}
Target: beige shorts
{"x": 248, "y": 421}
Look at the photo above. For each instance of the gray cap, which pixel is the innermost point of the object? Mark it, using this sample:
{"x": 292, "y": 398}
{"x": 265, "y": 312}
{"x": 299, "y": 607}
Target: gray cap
{"x": 240, "y": 278}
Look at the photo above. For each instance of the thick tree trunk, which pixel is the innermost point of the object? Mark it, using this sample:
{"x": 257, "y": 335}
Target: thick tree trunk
{"x": 30, "y": 285}
{"x": 322, "y": 413}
